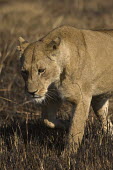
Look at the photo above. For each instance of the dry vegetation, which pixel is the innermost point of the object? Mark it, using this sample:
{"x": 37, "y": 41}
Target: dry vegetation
{"x": 25, "y": 143}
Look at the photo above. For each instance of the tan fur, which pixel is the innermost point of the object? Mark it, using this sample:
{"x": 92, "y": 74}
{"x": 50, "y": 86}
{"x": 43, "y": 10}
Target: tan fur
{"x": 79, "y": 63}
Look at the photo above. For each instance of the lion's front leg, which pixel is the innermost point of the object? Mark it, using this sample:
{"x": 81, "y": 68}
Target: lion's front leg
{"x": 49, "y": 116}
{"x": 78, "y": 122}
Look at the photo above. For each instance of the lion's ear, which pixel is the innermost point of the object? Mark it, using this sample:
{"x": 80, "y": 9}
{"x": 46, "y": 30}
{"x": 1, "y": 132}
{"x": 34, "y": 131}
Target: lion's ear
{"x": 22, "y": 45}
{"x": 55, "y": 43}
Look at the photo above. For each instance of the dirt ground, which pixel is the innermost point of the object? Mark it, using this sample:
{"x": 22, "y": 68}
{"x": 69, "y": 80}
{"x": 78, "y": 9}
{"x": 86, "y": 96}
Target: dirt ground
{"x": 25, "y": 143}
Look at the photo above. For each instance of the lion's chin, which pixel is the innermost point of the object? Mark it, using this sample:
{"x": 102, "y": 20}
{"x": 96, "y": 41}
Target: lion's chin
{"x": 39, "y": 100}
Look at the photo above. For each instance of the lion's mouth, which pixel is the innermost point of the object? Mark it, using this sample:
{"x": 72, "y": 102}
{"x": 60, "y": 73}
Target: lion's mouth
{"x": 38, "y": 98}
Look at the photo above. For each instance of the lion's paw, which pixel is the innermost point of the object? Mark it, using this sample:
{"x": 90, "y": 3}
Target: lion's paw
{"x": 49, "y": 124}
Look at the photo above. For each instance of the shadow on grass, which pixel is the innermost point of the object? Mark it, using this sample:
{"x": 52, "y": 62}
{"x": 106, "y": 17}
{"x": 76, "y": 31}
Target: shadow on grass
{"x": 35, "y": 138}
{"x": 34, "y": 131}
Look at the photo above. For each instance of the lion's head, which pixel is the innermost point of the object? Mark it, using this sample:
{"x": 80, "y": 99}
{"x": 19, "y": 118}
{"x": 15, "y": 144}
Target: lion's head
{"x": 41, "y": 65}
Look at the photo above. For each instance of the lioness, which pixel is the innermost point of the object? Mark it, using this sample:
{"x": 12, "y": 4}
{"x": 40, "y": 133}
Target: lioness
{"x": 72, "y": 64}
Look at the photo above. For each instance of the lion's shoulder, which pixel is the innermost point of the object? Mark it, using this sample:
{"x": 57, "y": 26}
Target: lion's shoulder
{"x": 105, "y": 31}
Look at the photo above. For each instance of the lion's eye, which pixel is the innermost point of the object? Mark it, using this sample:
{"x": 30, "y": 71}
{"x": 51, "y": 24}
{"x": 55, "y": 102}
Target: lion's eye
{"x": 40, "y": 71}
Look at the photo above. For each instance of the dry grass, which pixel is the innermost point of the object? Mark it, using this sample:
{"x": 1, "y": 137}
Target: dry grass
{"x": 25, "y": 143}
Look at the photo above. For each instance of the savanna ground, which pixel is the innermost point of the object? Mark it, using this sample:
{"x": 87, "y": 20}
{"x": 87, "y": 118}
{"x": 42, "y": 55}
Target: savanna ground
{"x": 25, "y": 143}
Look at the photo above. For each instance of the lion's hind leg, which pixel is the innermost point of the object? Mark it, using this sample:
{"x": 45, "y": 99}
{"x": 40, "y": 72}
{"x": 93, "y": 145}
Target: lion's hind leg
{"x": 100, "y": 106}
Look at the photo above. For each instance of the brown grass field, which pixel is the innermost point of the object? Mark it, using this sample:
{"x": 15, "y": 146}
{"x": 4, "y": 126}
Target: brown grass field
{"x": 25, "y": 143}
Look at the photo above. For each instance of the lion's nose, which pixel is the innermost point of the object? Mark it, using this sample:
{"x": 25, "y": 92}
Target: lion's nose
{"x": 32, "y": 92}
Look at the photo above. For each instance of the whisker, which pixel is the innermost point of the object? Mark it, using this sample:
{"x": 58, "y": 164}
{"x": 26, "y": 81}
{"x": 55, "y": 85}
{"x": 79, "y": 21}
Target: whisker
{"x": 46, "y": 99}
{"x": 49, "y": 96}
{"x": 54, "y": 95}
{"x": 53, "y": 89}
